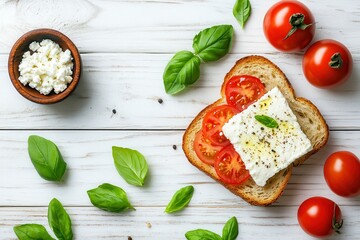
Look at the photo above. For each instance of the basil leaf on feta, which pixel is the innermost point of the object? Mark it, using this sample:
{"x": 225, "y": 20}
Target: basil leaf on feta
{"x": 267, "y": 121}
{"x": 46, "y": 158}
{"x": 202, "y": 234}
{"x": 131, "y": 165}
{"x": 109, "y": 198}
{"x": 32, "y": 232}
{"x": 213, "y": 43}
{"x": 231, "y": 229}
{"x": 182, "y": 71}
{"x": 242, "y": 11}
{"x": 180, "y": 200}
{"x": 59, "y": 220}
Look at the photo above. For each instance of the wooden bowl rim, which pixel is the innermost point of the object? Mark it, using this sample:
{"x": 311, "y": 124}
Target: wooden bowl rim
{"x": 25, "y": 90}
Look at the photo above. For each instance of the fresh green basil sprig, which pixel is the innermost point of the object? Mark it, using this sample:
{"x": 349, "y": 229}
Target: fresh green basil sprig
{"x": 242, "y": 11}
{"x": 182, "y": 70}
{"x": 131, "y": 165}
{"x": 109, "y": 198}
{"x": 31, "y": 232}
{"x": 231, "y": 229}
{"x": 213, "y": 43}
{"x": 59, "y": 220}
{"x": 180, "y": 200}
{"x": 230, "y": 232}
{"x": 46, "y": 158}
{"x": 209, "y": 45}
{"x": 200, "y": 234}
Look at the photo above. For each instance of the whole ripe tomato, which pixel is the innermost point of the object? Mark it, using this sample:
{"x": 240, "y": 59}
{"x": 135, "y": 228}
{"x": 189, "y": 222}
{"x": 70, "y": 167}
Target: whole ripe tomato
{"x": 342, "y": 173}
{"x": 289, "y": 26}
{"x": 319, "y": 217}
{"x": 327, "y": 63}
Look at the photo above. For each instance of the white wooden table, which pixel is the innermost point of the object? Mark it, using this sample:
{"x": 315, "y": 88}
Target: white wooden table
{"x": 125, "y": 46}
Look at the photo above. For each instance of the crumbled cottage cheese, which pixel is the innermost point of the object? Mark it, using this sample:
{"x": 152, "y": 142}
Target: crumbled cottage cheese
{"x": 47, "y": 68}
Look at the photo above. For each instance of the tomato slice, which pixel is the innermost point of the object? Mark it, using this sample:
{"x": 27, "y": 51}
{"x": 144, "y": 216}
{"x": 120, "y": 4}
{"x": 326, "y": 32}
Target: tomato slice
{"x": 230, "y": 167}
{"x": 204, "y": 149}
{"x": 243, "y": 90}
{"x": 213, "y": 122}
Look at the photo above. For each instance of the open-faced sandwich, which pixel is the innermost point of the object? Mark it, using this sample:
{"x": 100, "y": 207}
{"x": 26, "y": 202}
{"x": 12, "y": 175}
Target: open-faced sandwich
{"x": 251, "y": 137}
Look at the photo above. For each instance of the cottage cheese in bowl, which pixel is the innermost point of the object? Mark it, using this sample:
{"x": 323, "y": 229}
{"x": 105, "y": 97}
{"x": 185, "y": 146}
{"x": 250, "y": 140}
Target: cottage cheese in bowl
{"x": 46, "y": 67}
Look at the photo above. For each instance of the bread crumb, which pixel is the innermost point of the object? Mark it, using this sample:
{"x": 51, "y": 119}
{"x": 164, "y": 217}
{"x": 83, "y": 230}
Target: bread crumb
{"x": 148, "y": 225}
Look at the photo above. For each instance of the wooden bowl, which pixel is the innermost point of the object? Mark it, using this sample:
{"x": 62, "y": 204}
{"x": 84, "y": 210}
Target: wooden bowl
{"x": 22, "y": 45}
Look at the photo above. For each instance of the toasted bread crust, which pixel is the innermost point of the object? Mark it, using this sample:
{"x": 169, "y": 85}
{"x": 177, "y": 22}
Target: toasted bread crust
{"x": 306, "y": 112}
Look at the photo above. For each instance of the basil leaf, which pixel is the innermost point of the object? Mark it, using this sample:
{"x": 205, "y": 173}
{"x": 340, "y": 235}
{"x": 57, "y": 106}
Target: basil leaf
{"x": 231, "y": 229}
{"x": 32, "y": 232}
{"x": 59, "y": 220}
{"x": 201, "y": 234}
{"x": 109, "y": 198}
{"x": 181, "y": 199}
{"x": 242, "y": 11}
{"x": 213, "y": 43}
{"x": 266, "y": 121}
{"x": 182, "y": 71}
{"x": 131, "y": 165}
{"x": 46, "y": 158}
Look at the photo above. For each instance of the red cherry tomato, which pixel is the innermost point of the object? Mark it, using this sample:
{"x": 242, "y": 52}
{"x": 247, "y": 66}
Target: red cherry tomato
{"x": 319, "y": 217}
{"x": 342, "y": 173}
{"x": 241, "y": 91}
{"x": 289, "y": 26}
{"x": 204, "y": 149}
{"x": 229, "y": 166}
{"x": 213, "y": 122}
{"x": 327, "y": 63}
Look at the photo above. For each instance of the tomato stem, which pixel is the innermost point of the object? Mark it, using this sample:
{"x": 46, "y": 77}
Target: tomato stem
{"x": 335, "y": 224}
{"x": 336, "y": 61}
{"x": 297, "y": 22}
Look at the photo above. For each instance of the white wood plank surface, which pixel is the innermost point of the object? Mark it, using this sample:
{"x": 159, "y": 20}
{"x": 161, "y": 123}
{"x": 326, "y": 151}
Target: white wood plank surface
{"x": 88, "y": 154}
{"x": 161, "y": 26}
{"x": 90, "y": 163}
{"x": 90, "y": 223}
{"x": 132, "y": 84}
{"x": 125, "y": 45}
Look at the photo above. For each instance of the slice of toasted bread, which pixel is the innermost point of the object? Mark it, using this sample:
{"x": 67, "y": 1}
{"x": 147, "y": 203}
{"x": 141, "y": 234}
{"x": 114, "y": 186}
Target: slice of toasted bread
{"x": 308, "y": 116}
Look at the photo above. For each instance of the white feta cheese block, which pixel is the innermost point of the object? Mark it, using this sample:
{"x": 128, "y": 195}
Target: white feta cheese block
{"x": 264, "y": 150}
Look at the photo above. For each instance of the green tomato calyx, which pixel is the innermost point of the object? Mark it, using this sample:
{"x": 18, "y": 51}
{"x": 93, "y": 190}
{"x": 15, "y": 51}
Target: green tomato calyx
{"x": 336, "y": 61}
{"x": 297, "y": 22}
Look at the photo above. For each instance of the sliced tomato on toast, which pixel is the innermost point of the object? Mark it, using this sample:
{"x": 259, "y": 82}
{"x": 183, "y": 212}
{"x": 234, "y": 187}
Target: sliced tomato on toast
{"x": 241, "y": 91}
{"x": 213, "y": 122}
{"x": 211, "y": 145}
{"x": 204, "y": 149}
{"x": 230, "y": 167}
